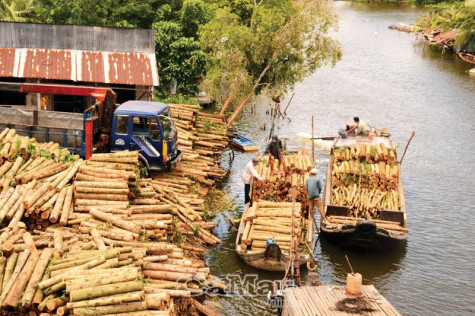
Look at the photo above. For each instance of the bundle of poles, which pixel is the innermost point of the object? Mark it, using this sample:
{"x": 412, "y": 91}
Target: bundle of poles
{"x": 76, "y": 276}
{"x": 275, "y": 185}
{"x": 365, "y": 178}
{"x": 96, "y": 227}
{"x": 272, "y": 220}
{"x": 202, "y": 138}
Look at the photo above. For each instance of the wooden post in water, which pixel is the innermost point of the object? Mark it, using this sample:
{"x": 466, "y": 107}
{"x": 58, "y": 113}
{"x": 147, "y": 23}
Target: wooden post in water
{"x": 413, "y": 133}
{"x": 313, "y": 147}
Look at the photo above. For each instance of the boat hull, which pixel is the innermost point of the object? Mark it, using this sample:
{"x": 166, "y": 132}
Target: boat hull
{"x": 258, "y": 260}
{"x": 349, "y": 238}
{"x": 243, "y": 143}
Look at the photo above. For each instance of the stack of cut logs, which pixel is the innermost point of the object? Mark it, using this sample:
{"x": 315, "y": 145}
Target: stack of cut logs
{"x": 201, "y": 138}
{"x": 365, "y": 178}
{"x": 266, "y": 220}
{"x": 74, "y": 275}
{"x": 275, "y": 186}
{"x": 103, "y": 182}
{"x": 105, "y": 230}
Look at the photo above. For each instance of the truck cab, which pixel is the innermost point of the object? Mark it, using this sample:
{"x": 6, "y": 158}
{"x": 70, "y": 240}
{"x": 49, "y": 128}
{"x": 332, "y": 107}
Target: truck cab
{"x": 148, "y": 127}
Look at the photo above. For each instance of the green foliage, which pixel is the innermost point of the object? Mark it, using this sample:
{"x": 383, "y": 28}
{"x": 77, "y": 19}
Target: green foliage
{"x": 452, "y": 15}
{"x": 273, "y": 45}
{"x": 123, "y": 13}
{"x": 46, "y": 154}
{"x": 176, "y": 99}
{"x": 17, "y": 10}
{"x": 208, "y": 125}
{"x": 196, "y": 230}
{"x": 179, "y": 57}
{"x": 193, "y": 14}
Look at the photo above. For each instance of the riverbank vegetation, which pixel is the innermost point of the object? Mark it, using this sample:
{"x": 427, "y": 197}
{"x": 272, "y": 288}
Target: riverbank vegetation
{"x": 244, "y": 47}
{"x": 452, "y": 15}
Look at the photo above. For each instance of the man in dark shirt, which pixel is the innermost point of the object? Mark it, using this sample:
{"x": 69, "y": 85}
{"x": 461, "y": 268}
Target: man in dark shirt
{"x": 276, "y": 151}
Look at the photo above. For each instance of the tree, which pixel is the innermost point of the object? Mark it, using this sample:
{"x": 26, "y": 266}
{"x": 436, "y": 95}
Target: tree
{"x": 176, "y": 23}
{"x": 180, "y": 58}
{"x": 17, "y": 10}
{"x": 280, "y": 44}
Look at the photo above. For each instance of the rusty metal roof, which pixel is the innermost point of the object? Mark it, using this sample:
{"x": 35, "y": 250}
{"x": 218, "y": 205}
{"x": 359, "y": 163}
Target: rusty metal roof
{"x": 445, "y": 37}
{"x": 78, "y": 65}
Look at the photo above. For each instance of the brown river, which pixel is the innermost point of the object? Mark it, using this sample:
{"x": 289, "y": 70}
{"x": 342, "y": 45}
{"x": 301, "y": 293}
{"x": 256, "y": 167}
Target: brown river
{"x": 389, "y": 79}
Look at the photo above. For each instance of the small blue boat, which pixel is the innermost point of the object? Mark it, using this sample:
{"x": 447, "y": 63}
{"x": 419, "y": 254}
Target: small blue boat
{"x": 243, "y": 143}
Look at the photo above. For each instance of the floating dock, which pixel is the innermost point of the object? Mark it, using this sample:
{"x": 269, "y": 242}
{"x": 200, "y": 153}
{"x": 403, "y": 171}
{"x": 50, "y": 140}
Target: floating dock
{"x": 323, "y": 300}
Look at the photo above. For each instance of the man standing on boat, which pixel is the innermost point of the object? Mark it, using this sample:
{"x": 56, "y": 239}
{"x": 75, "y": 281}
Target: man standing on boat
{"x": 360, "y": 127}
{"x": 276, "y": 151}
{"x": 247, "y": 175}
{"x": 314, "y": 188}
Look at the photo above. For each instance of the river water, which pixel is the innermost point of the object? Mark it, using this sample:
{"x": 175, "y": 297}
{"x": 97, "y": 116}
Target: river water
{"x": 389, "y": 79}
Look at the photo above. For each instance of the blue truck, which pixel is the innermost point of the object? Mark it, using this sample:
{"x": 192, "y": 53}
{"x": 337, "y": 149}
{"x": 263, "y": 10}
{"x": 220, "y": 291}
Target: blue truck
{"x": 101, "y": 126}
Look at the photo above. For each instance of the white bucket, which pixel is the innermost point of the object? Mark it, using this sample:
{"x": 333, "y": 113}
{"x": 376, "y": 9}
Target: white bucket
{"x": 354, "y": 283}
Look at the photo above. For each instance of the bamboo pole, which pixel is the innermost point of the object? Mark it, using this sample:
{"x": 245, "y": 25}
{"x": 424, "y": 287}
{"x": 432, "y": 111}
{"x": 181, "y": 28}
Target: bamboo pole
{"x": 104, "y": 290}
{"x": 17, "y": 289}
{"x": 67, "y": 206}
{"x": 108, "y": 300}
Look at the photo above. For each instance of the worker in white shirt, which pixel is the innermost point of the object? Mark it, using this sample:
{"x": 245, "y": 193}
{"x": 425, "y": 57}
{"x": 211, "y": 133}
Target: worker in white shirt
{"x": 248, "y": 174}
{"x": 360, "y": 128}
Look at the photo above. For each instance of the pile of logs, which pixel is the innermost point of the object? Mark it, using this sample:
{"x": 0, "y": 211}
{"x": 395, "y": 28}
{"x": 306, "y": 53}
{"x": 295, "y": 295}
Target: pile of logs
{"x": 275, "y": 186}
{"x": 79, "y": 237}
{"x": 365, "y": 178}
{"x": 64, "y": 271}
{"x": 201, "y": 138}
{"x": 266, "y": 220}
{"x": 43, "y": 198}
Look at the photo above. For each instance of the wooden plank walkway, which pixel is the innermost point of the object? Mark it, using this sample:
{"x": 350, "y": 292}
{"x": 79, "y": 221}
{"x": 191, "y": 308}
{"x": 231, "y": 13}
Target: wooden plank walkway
{"x": 321, "y": 300}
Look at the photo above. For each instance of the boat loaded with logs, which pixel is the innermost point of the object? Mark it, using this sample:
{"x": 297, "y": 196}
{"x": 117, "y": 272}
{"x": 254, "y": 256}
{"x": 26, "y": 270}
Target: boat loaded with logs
{"x": 363, "y": 195}
{"x": 275, "y": 227}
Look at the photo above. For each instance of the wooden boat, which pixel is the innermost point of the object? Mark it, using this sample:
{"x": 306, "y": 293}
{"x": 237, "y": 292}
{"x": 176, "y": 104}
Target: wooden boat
{"x": 273, "y": 257}
{"x": 243, "y": 143}
{"x": 385, "y": 230}
{"x": 271, "y": 216}
{"x": 469, "y": 58}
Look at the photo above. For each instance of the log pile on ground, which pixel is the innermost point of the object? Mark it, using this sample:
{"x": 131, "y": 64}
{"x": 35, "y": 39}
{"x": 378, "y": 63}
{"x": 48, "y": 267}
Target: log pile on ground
{"x": 275, "y": 187}
{"x": 201, "y": 138}
{"x": 96, "y": 221}
{"x": 33, "y": 178}
{"x": 272, "y": 219}
{"x": 65, "y": 271}
{"x": 365, "y": 178}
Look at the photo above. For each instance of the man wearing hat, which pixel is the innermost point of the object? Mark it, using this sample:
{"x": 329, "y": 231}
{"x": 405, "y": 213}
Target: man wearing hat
{"x": 276, "y": 151}
{"x": 247, "y": 175}
{"x": 314, "y": 188}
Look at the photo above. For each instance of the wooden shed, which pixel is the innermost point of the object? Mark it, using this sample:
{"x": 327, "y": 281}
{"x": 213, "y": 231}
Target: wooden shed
{"x": 119, "y": 58}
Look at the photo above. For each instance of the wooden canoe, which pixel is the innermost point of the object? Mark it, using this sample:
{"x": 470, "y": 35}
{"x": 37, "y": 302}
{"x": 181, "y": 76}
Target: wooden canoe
{"x": 270, "y": 259}
{"x": 243, "y": 143}
{"x": 388, "y": 232}
{"x": 469, "y": 58}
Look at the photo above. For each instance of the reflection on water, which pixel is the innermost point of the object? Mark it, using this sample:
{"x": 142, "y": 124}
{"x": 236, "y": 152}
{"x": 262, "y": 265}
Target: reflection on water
{"x": 375, "y": 267}
{"x": 391, "y": 80}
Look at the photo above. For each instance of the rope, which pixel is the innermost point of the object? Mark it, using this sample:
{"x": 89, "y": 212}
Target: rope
{"x": 354, "y": 305}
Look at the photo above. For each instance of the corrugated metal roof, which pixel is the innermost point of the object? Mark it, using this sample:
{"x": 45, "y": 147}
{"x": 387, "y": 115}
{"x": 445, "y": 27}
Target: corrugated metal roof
{"x": 76, "y": 37}
{"x": 77, "y": 65}
{"x": 445, "y": 37}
